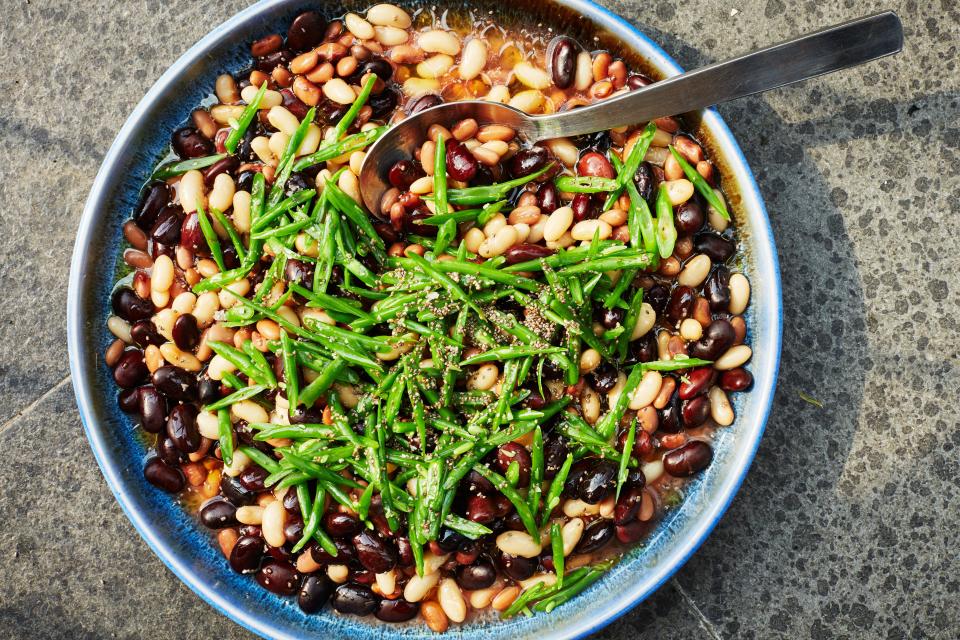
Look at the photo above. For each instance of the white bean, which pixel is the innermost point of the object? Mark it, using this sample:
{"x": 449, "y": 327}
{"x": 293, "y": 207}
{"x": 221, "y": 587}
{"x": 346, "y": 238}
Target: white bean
{"x": 739, "y": 293}
{"x": 645, "y": 321}
{"x": 241, "y": 211}
{"x": 359, "y": 27}
{"x": 484, "y": 378}
{"x": 414, "y": 86}
{"x": 208, "y": 425}
{"x": 250, "y": 514}
{"x": 391, "y": 36}
{"x": 570, "y": 534}
{"x": 646, "y": 392}
{"x": 237, "y": 466}
{"x": 221, "y": 197}
{"x": 120, "y": 328}
{"x": 419, "y": 586}
{"x": 283, "y": 120}
{"x": 439, "y": 41}
{"x": 518, "y": 543}
{"x": 191, "y": 191}
{"x": 720, "y": 409}
{"x": 584, "y": 74}
{"x": 387, "y": 582}
{"x": 586, "y": 229}
{"x": 652, "y": 470}
{"x": 529, "y": 101}
{"x": 499, "y": 243}
{"x": 691, "y": 330}
{"x": 389, "y": 15}
{"x": 435, "y": 66}
{"x": 695, "y": 271}
{"x": 474, "y": 59}
{"x": 161, "y": 278}
{"x": 339, "y": 91}
{"x": 270, "y": 97}
{"x": 564, "y": 149}
{"x": 274, "y": 520}
{"x": 733, "y": 357}
{"x": 338, "y": 573}
{"x": 679, "y": 191}
{"x": 249, "y": 411}
{"x": 451, "y": 600}
{"x": 557, "y": 224}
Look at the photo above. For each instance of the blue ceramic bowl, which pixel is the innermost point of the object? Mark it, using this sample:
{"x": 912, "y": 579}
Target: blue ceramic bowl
{"x": 189, "y": 550}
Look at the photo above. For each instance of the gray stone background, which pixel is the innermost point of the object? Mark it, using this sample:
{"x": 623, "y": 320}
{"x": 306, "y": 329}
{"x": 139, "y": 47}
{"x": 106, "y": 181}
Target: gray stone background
{"x": 846, "y": 526}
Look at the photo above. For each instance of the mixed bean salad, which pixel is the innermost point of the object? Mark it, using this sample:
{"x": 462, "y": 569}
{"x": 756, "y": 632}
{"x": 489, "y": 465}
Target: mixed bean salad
{"x": 476, "y": 397}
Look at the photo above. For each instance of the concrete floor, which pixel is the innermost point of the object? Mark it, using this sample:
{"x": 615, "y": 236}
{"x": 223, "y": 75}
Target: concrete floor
{"x": 846, "y": 525}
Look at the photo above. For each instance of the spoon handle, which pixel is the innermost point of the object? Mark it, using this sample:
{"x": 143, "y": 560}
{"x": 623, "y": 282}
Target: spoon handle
{"x": 814, "y": 54}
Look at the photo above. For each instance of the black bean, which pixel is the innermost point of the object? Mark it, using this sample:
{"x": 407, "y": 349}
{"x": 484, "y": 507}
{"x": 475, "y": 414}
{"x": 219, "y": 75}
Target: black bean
{"x": 529, "y": 161}
{"x": 691, "y": 458}
{"x": 716, "y": 339}
{"x": 580, "y": 468}
{"x": 291, "y": 502}
{"x": 163, "y": 476}
{"x": 628, "y": 506}
{"x": 345, "y": 553}
{"x": 278, "y": 577}
{"x": 155, "y": 197}
{"x": 681, "y": 304}
{"x": 144, "y": 334}
{"x": 315, "y": 590}
{"x": 327, "y": 111}
{"x": 299, "y": 272}
{"x": 130, "y": 370}
{"x": 190, "y": 143}
{"x": 305, "y": 415}
{"x": 129, "y": 306}
{"x": 644, "y": 348}
{"x": 643, "y": 178}
{"x": 208, "y": 390}
{"x": 476, "y": 483}
{"x": 562, "y": 55}
{"x": 175, "y": 383}
{"x": 516, "y": 567}
{"x": 306, "y": 31}
{"x": 657, "y": 297}
{"x": 153, "y": 409}
{"x": 252, "y": 478}
{"x": 595, "y": 537}
{"x": 377, "y": 66}
{"x": 129, "y": 400}
{"x": 186, "y": 333}
{"x": 166, "y": 228}
{"x": 717, "y": 247}
{"x": 271, "y": 61}
{"x": 235, "y": 492}
{"x": 293, "y": 529}
{"x": 355, "y": 598}
{"x": 717, "y": 289}
{"x": 182, "y": 428}
{"x": 513, "y": 452}
{"x": 218, "y": 514}
{"x": 425, "y": 101}
{"x": 670, "y": 417}
{"x": 383, "y": 103}
{"x": 599, "y": 482}
{"x": 404, "y": 552}
{"x": 603, "y": 378}
{"x": 398, "y": 610}
{"x": 246, "y": 554}
{"x": 689, "y": 217}
{"x": 374, "y": 553}
{"x": 341, "y": 525}
{"x": 554, "y": 453}
{"x": 609, "y": 318}
{"x": 479, "y": 575}
{"x": 695, "y": 411}
{"x": 168, "y": 452}
{"x": 638, "y": 80}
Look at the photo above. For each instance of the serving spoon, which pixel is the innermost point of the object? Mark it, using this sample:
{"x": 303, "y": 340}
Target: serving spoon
{"x": 811, "y": 55}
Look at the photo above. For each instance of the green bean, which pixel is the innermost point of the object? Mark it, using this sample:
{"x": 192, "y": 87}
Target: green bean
{"x": 232, "y": 232}
{"x": 640, "y": 222}
{"x": 556, "y": 488}
{"x": 285, "y": 166}
{"x": 701, "y": 185}
{"x": 210, "y": 236}
{"x": 331, "y": 150}
{"x": 243, "y": 122}
{"x": 225, "y": 430}
{"x": 490, "y": 193}
{"x": 678, "y": 363}
{"x": 290, "y": 372}
{"x": 630, "y": 322}
{"x": 608, "y": 424}
{"x": 260, "y": 459}
{"x": 586, "y": 184}
{"x": 312, "y": 392}
{"x": 523, "y": 510}
{"x": 173, "y": 169}
{"x": 241, "y": 361}
{"x": 624, "y": 260}
{"x": 625, "y": 457}
{"x": 556, "y": 546}
{"x": 278, "y": 209}
{"x": 347, "y": 206}
{"x": 536, "y": 471}
{"x": 235, "y": 397}
{"x": 507, "y": 353}
{"x": 666, "y": 231}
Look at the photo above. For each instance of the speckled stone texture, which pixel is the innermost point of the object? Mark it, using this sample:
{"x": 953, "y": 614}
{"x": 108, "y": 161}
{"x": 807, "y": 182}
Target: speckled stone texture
{"x": 847, "y": 522}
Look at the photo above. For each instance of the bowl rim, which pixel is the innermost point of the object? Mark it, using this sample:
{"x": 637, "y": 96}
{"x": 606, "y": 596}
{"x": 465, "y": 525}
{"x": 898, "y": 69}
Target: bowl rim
{"x": 724, "y": 141}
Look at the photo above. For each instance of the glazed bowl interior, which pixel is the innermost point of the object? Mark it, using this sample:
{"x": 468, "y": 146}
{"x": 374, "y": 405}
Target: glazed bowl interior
{"x": 187, "y": 548}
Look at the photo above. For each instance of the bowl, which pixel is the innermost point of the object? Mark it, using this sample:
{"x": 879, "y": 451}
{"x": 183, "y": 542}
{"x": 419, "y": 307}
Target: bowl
{"x": 189, "y": 550}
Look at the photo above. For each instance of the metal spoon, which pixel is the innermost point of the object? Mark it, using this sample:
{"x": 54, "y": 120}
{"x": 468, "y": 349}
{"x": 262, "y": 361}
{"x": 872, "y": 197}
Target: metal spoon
{"x": 825, "y": 51}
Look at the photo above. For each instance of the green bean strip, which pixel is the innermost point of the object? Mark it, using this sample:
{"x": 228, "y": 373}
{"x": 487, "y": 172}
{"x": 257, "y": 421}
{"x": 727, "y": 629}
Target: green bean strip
{"x": 243, "y": 394}
{"x": 285, "y": 166}
{"x": 556, "y": 488}
{"x": 666, "y": 231}
{"x": 701, "y": 185}
{"x": 332, "y": 150}
{"x": 625, "y": 457}
{"x": 556, "y": 546}
{"x": 608, "y": 424}
{"x": 640, "y": 222}
{"x": 523, "y": 510}
{"x": 490, "y": 193}
{"x": 449, "y": 228}
{"x": 241, "y": 361}
{"x": 279, "y": 208}
{"x": 312, "y": 392}
{"x": 243, "y": 122}
{"x": 507, "y": 353}
{"x": 678, "y": 363}
{"x": 225, "y": 430}
{"x": 290, "y": 373}
{"x": 347, "y": 206}
{"x": 520, "y": 604}
{"x": 536, "y": 472}
{"x": 232, "y": 232}
{"x": 344, "y": 124}
{"x": 174, "y": 169}
{"x": 630, "y": 323}
{"x": 586, "y": 184}
{"x": 260, "y": 459}
{"x": 210, "y": 236}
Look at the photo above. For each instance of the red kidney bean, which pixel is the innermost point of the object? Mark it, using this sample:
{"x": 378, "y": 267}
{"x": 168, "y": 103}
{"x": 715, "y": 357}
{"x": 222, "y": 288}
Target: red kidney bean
{"x": 293, "y": 530}
{"x": 548, "y": 197}
{"x": 696, "y": 382}
{"x": 131, "y": 370}
{"x": 681, "y": 304}
{"x": 717, "y": 247}
{"x": 599, "y": 482}
{"x": 603, "y": 378}
{"x": 562, "y": 55}
{"x": 514, "y": 452}
{"x": 354, "y": 598}
{"x": 595, "y": 537}
{"x": 691, "y": 458}
{"x": 516, "y": 567}
{"x": 528, "y": 161}
{"x": 717, "y": 289}
{"x": 398, "y": 610}
{"x": 175, "y": 383}
{"x": 186, "y": 333}
{"x": 374, "y": 553}
{"x": 156, "y": 196}
{"x": 535, "y": 401}
{"x": 235, "y": 492}
{"x": 218, "y": 514}
{"x": 403, "y": 173}
{"x": 341, "y": 525}
{"x": 717, "y": 338}
{"x": 479, "y": 575}
{"x": 628, "y": 506}
{"x": 670, "y": 417}
{"x": 278, "y": 577}
{"x": 190, "y": 143}
{"x": 404, "y": 552}
{"x": 315, "y": 591}
{"x": 584, "y": 208}
{"x": 163, "y": 476}
{"x": 480, "y": 508}
{"x": 327, "y": 111}
{"x": 191, "y": 236}
{"x": 346, "y": 554}
{"x": 689, "y": 217}
{"x": 269, "y": 62}
{"x": 632, "y": 532}
{"x": 144, "y": 334}
{"x": 182, "y": 428}
{"x": 461, "y": 165}
{"x": 638, "y": 80}
{"x": 467, "y": 553}
{"x": 306, "y": 31}
{"x": 596, "y": 165}
{"x": 695, "y": 411}
{"x": 129, "y": 306}
{"x": 227, "y": 165}
{"x": 153, "y": 409}
{"x": 166, "y": 229}
{"x": 527, "y": 251}
{"x": 425, "y": 101}
{"x": 476, "y": 483}
{"x": 281, "y": 554}
{"x": 502, "y": 507}
{"x": 128, "y": 400}
{"x": 738, "y": 379}
{"x": 642, "y": 444}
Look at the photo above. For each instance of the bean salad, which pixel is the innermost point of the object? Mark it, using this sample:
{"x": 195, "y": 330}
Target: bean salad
{"x": 477, "y": 397}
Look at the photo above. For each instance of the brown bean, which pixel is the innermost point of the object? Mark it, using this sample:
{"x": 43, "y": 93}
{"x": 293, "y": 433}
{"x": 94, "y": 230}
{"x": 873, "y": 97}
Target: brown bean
{"x": 266, "y": 45}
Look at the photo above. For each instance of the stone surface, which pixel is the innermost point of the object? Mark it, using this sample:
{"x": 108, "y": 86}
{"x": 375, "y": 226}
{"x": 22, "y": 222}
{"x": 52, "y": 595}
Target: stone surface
{"x": 842, "y": 529}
